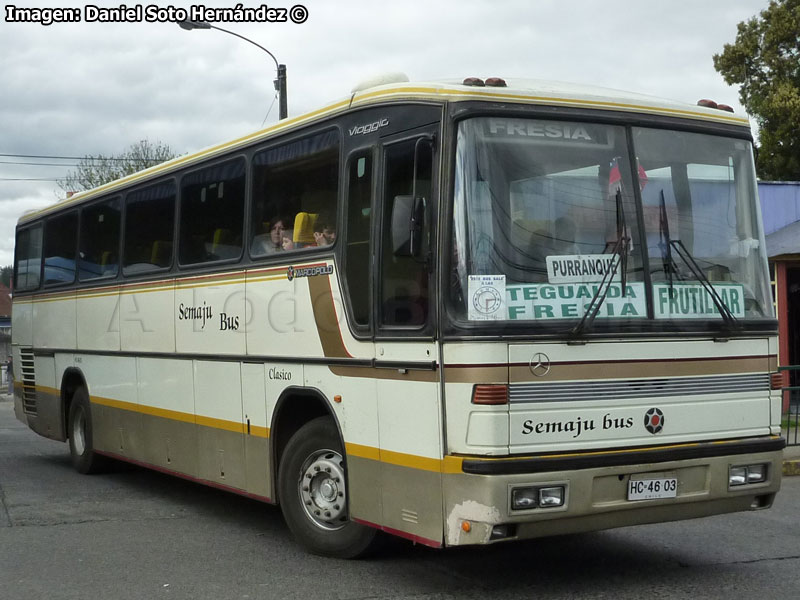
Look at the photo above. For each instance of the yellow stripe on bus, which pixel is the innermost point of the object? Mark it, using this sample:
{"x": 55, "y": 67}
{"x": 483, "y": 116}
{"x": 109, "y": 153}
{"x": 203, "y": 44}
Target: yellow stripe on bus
{"x": 183, "y": 417}
{"x": 450, "y": 464}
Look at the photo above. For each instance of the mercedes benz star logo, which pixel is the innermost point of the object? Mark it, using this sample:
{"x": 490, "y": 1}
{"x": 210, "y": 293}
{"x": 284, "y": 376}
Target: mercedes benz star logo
{"x": 540, "y": 364}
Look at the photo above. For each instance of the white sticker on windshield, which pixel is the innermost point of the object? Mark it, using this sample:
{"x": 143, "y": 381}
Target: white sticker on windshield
{"x": 692, "y": 300}
{"x": 487, "y": 297}
{"x": 571, "y": 301}
{"x": 581, "y": 268}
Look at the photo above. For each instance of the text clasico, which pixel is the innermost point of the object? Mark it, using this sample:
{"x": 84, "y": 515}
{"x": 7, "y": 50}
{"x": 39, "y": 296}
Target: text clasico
{"x": 151, "y": 13}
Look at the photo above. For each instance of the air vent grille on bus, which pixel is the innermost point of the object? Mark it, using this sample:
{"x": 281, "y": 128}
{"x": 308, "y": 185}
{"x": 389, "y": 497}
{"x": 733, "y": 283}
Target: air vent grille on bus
{"x": 638, "y": 388}
{"x": 28, "y": 381}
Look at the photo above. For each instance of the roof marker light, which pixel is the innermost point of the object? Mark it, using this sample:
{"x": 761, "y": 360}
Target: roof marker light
{"x": 707, "y": 103}
{"x": 725, "y": 107}
{"x": 474, "y": 81}
{"x": 496, "y": 82}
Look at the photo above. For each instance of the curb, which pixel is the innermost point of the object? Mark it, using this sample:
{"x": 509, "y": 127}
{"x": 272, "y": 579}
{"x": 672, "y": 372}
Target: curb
{"x": 791, "y": 467}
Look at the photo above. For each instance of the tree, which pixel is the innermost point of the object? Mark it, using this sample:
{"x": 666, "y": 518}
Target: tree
{"x": 6, "y": 273}
{"x": 93, "y": 171}
{"x": 765, "y": 61}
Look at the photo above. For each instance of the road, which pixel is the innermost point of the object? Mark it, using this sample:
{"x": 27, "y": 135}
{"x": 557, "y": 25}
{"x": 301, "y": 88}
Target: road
{"x": 138, "y": 534}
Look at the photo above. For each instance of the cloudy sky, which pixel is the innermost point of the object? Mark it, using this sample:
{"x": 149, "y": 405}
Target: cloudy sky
{"x": 74, "y": 89}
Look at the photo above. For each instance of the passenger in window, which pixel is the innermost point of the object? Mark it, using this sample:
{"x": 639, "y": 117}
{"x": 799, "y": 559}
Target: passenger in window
{"x": 324, "y": 231}
{"x": 272, "y": 241}
{"x": 287, "y": 240}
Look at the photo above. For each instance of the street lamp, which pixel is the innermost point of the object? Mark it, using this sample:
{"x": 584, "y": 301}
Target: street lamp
{"x": 280, "y": 82}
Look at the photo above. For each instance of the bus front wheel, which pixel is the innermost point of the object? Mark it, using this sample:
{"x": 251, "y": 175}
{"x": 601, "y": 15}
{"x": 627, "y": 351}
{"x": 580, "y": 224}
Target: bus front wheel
{"x": 80, "y": 431}
{"x": 313, "y": 496}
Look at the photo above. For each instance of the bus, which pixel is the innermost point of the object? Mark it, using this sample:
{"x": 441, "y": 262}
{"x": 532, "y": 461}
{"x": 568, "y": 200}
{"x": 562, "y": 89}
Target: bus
{"x": 459, "y": 312}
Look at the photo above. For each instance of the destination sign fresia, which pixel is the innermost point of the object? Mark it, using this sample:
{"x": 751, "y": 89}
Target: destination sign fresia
{"x": 569, "y": 301}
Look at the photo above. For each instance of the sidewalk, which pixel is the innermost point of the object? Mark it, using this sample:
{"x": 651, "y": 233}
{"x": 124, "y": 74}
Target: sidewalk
{"x": 791, "y": 460}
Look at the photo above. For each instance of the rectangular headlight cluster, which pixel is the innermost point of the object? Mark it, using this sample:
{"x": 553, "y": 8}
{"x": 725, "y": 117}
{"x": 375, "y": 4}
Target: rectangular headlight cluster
{"x": 526, "y": 498}
{"x": 747, "y": 474}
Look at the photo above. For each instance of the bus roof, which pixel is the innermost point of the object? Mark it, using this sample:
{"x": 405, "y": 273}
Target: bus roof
{"x": 524, "y": 91}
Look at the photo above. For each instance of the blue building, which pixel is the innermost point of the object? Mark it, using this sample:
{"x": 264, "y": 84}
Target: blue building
{"x": 780, "y": 209}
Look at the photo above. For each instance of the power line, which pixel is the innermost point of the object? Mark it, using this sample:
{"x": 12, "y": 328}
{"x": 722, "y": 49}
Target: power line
{"x": 46, "y": 156}
{"x": 37, "y": 164}
{"x": 26, "y": 179}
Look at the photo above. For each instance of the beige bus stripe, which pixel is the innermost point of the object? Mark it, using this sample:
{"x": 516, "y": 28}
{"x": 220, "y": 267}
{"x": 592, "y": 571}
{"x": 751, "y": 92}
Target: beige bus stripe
{"x": 183, "y": 417}
{"x": 450, "y": 464}
{"x": 453, "y": 464}
{"x": 643, "y": 369}
{"x": 325, "y": 317}
{"x": 476, "y": 374}
{"x": 236, "y": 277}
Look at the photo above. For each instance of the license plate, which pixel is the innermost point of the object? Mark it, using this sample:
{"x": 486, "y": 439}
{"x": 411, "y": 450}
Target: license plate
{"x": 652, "y": 489}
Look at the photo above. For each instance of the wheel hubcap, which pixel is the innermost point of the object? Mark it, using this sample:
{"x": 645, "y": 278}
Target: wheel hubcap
{"x": 322, "y": 489}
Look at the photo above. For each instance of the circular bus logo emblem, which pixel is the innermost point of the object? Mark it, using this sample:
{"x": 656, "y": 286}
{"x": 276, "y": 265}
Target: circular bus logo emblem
{"x": 654, "y": 420}
{"x": 540, "y": 364}
{"x": 290, "y": 273}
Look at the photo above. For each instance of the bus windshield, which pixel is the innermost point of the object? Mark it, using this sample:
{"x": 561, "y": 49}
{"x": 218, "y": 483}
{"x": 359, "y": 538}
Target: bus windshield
{"x": 551, "y": 217}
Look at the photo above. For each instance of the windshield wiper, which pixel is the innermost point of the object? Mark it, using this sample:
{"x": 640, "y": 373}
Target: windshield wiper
{"x": 620, "y": 250}
{"x": 668, "y": 263}
{"x": 731, "y": 322}
{"x": 670, "y": 267}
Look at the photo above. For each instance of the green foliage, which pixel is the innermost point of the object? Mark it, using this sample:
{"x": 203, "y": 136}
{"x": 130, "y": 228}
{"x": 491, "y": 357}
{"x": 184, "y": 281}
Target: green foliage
{"x": 94, "y": 171}
{"x": 765, "y": 61}
{"x": 6, "y": 273}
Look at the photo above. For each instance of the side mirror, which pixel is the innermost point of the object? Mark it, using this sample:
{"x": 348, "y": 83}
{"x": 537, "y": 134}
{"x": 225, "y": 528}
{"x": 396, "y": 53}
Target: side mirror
{"x": 408, "y": 222}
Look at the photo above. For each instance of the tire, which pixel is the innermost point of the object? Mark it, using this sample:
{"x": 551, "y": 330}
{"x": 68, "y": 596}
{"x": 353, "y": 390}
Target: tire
{"x": 312, "y": 481}
{"x": 80, "y": 433}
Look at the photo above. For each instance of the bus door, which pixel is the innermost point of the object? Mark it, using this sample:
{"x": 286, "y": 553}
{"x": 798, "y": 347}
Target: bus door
{"x": 408, "y": 396}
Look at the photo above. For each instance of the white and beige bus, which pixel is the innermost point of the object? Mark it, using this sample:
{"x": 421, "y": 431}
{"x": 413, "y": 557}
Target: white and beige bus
{"x": 457, "y": 312}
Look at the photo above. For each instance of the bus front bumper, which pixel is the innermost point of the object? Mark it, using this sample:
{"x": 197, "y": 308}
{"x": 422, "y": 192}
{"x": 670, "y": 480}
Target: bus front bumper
{"x": 479, "y": 501}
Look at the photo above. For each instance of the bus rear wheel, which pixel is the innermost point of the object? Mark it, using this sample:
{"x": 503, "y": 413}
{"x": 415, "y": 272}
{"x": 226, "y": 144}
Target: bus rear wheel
{"x": 81, "y": 435}
{"x": 312, "y": 482}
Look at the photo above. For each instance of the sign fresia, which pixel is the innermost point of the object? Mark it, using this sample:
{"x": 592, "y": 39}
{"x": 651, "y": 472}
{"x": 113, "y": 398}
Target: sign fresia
{"x": 570, "y": 300}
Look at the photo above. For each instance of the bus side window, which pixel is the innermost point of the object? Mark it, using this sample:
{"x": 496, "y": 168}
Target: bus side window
{"x": 99, "y": 240}
{"x": 149, "y": 225}
{"x": 404, "y": 285}
{"x": 29, "y": 258}
{"x": 212, "y": 213}
{"x": 60, "y": 245}
{"x": 295, "y": 188}
{"x": 359, "y": 219}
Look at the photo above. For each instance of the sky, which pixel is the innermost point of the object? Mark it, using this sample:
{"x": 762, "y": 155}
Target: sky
{"x": 73, "y": 89}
